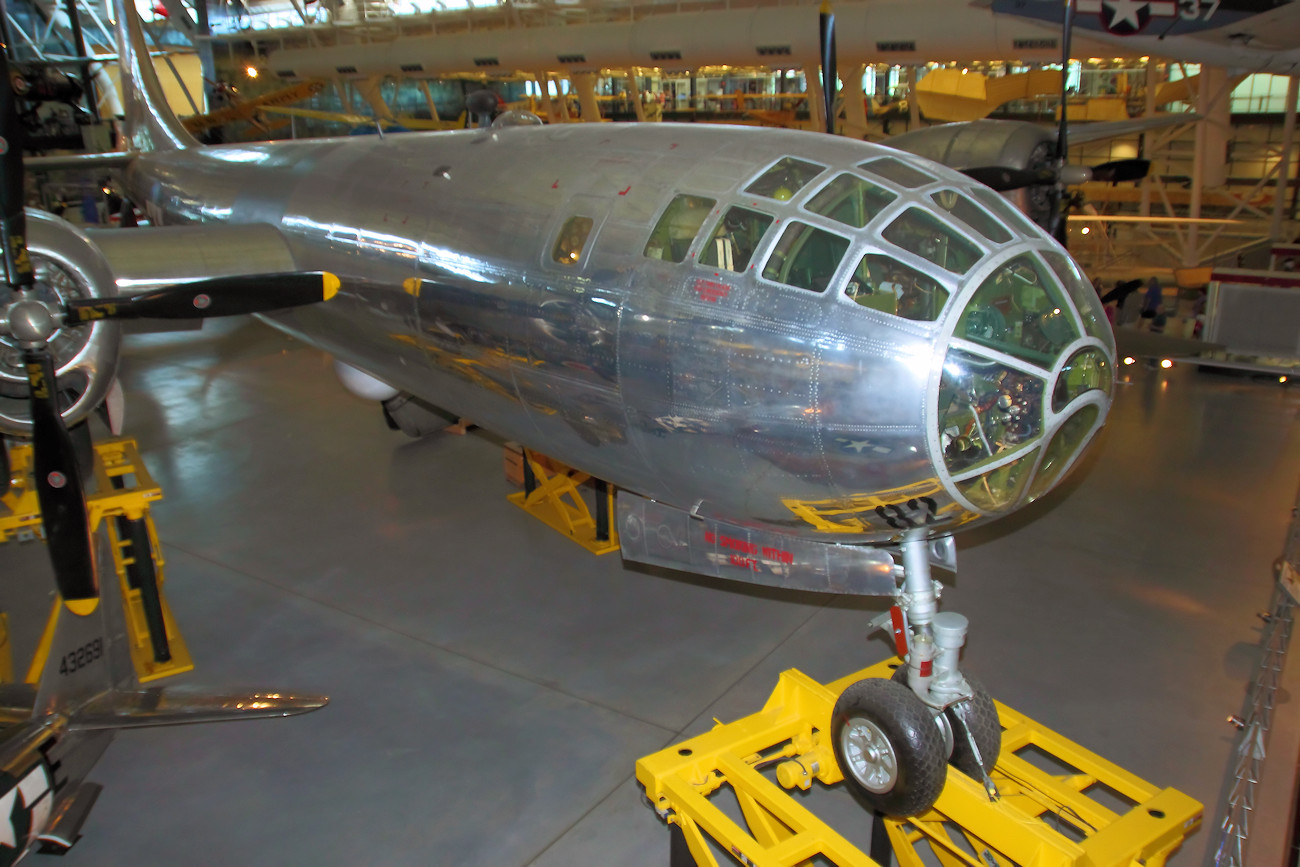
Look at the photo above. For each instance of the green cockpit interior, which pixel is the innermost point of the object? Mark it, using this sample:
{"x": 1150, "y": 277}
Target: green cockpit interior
{"x": 1001, "y": 395}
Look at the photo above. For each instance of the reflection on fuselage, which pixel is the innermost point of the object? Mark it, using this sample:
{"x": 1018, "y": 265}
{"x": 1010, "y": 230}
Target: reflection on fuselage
{"x": 770, "y": 328}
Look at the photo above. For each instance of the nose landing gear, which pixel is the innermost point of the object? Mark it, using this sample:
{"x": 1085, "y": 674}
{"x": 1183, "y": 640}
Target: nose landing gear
{"x": 894, "y": 738}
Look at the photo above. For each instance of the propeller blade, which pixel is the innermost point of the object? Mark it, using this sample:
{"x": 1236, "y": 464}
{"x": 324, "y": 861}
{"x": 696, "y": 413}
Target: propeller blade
{"x": 219, "y": 296}
{"x": 830, "y": 74}
{"x": 1003, "y": 179}
{"x": 13, "y": 221}
{"x": 1057, "y": 221}
{"x": 1119, "y": 171}
{"x": 58, "y": 485}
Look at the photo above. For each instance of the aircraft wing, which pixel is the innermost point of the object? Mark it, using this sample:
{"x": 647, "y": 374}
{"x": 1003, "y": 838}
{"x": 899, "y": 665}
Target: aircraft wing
{"x": 165, "y": 706}
{"x": 411, "y": 123}
{"x": 1083, "y": 133}
{"x": 1150, "y": 344}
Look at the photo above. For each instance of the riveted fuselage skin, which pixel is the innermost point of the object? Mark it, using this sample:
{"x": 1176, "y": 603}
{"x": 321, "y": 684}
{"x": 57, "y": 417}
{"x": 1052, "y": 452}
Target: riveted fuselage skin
{"x": 717, "y": 391}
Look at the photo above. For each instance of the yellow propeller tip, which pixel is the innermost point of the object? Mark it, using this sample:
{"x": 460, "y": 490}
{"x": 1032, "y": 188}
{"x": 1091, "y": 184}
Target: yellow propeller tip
{"x": 331, "y": 285}
{"x": 82, "y": 607}
{"x": 412, "y": 286}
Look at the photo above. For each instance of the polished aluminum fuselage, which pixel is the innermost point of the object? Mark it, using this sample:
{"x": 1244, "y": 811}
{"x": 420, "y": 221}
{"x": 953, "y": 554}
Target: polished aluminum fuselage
{"x": 720, "y": 393}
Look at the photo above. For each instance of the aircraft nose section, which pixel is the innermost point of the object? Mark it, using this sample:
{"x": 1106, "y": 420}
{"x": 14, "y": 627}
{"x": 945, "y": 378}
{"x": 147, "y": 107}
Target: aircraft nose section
{"x": 1026, "y": 382}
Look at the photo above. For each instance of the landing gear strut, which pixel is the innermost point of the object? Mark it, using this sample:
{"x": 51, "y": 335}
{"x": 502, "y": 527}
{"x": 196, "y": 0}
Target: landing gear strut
{"x": 892, "y": 739}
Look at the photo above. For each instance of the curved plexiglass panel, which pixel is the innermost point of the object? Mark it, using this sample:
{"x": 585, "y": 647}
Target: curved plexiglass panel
{"x": 918, "y": 232}
{"x": 735, "y": 238}
{"x": 784, "y": 179}
{"x": 677, "y": 228}
{"x": 999, "y": 487}
{"x": 1070, "y": 439}
{"x": 986, "y": 410}
{"x": 897, "y": 171}
{"x": 806, "y": 257}
{"x": 1020, "y": 310}
{"x": 1005, "y": 211}
{"x": 972, "y": 215}
{"x": 883, "y": 283}
{"x": 1085, "y": 297}
{"x": 1087, "y": 370}
{"x": 850, "y": 200}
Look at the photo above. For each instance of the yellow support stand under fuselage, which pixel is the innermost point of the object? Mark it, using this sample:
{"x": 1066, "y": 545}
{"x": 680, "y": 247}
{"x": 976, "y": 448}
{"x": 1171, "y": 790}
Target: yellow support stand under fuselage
{"x": 558, "y": 502}
{"x": 1023, "y": 827}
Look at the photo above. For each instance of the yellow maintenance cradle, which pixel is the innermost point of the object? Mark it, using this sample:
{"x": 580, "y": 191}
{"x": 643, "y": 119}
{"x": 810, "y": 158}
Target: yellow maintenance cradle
{"x": 1045, "y": 816}
{"x": 553, "y": 494}
{"x": 123, "y": 492}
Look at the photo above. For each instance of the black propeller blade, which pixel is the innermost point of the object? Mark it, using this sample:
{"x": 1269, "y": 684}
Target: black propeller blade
{"x": 830, "y": 74}
{"x": 1120, "y": 171}
{"x": 1003, "y": 179}
{"x": 31, "y": 323}
{"x": 58, "y": 485}
{"x": 1057, "y": 221}
{"x": 219, "y": 296}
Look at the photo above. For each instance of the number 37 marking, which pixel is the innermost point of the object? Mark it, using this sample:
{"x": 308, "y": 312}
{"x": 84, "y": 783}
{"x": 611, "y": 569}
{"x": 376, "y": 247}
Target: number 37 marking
{"x": 1194, "y": 9}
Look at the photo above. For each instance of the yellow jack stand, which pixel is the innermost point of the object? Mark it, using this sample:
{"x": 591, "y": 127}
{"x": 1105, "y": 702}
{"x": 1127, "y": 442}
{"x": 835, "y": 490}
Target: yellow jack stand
{"x": 1044, "y": 818}
{"x": 123, "y": 491}
{"x": 555, "y": 499}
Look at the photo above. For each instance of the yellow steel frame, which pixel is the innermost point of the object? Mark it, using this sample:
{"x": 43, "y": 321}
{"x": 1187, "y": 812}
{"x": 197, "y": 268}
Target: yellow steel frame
{"x": 114, "y": 459}
{"x": 558, "y": 503}
{"x": 1023, "y": 827}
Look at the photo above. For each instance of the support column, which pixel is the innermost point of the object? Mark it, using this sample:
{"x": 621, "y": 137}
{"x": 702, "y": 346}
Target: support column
{"x": 585, "y": 84}
{"x": 371, "y": 91}
{"x": 855, "y": 109}
{"x": 544, "y": 88}
{"x": 1147, "y": 137}
{"x": 816, "y": 102}
{"x": 913, "y": 105}
{"x": 1284, "y": 161}
{"x": 1210, "y": 159}
{"x": 634, "y": 90}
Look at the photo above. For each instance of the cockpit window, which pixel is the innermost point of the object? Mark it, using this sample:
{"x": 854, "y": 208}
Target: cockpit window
{"x": 568, "y": 247}
{"x": 850, "y": 200}
{"x": 677, "y": 228}
{"x": 1069, "y": 441}
{"x": 1087, "y": 370}
{"x": 734, "y": 239}
{"x": 987, "y": 410}
{"x": 897, "y": 171}
{"x": 806, "y": 257}
{"x": 1005, "y": 211}
{"x": 972, "y": 215}
{"x": 1019, "y": 310}
{"x": 785, "y": 179}
{"x": 885, "y": 284}
{"x": 1085, "y": 297}
{"x": 999, "y": 487}
{"x": 919, "y": 233}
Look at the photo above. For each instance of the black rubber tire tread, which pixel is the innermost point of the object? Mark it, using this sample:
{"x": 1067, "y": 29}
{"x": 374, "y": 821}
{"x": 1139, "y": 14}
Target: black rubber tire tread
{"x": 985, "y": 725}
{"x": 909, "y": 726}
{"x": 986, "y": 728}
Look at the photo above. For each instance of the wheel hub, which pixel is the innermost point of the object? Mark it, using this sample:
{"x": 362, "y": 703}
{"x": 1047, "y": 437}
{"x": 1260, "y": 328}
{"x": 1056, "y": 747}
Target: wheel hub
{"x": 870, "y": 757}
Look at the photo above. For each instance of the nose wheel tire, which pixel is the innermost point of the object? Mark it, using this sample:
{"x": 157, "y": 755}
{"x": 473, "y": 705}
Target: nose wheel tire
{"x": 888, "y": 747}
{"x": 982, "y": 715}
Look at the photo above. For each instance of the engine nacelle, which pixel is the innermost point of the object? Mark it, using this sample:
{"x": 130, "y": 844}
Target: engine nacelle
{"x": 1007, "y": 143}
{"x": 68, "y": 265}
